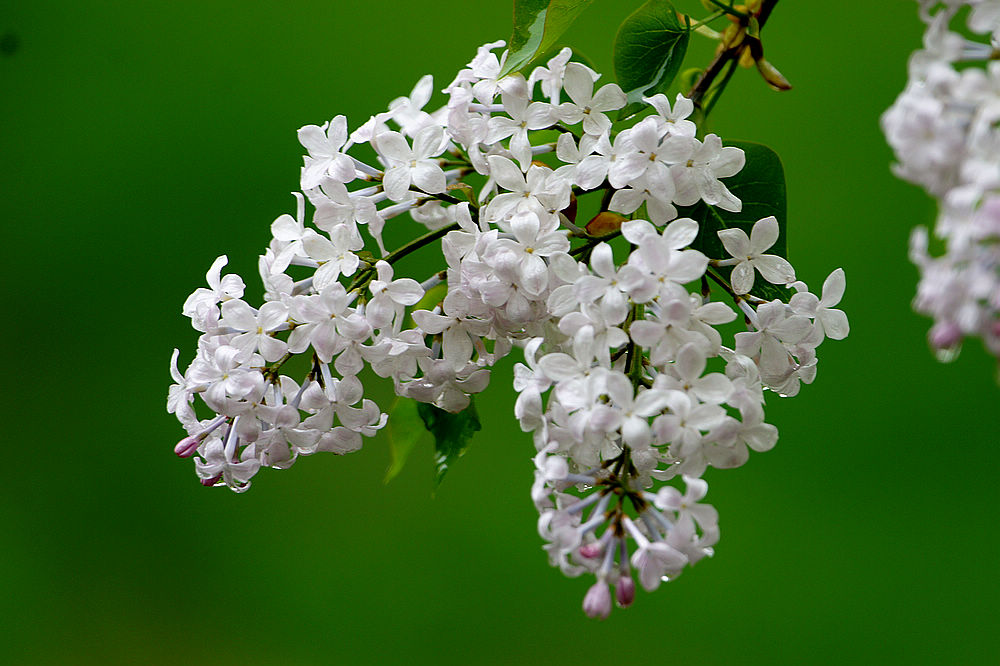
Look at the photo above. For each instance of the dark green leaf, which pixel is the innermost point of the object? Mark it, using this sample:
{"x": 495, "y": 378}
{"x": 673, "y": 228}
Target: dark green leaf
{"x": 451, "y": 433}
{"x": 760, "y": 185}
{"x": 649, "y": 49}
{"x": 538, "y": 24}
{"x": 405, "y": 430}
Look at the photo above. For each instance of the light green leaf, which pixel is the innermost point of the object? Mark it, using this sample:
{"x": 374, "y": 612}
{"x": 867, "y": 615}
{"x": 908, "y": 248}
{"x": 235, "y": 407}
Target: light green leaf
{"x": 538, "y": 24}
{"x": 404, "y": 429}
{"x": 432, "y": 297}
{"x": 649, "y": 49}
{"x": 451, "y": 434}
{"x": 760, "y": 185}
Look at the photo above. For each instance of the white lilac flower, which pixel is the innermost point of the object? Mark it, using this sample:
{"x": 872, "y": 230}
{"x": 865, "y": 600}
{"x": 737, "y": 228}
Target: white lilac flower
{"x": 674, "y": 120}
{"x": 550, "y": 76}
{"x": 696, "y": 174}
{"x": 255, "y": 329}
{"x": 325, "y": 144}
{"x": 201, "y": 305}
{"x": 828, "y": 321}
{"x": 524, "y": 116}
{"x": 943, "y": 130}
{"x": 586, "y": 106}
{"x": 621, "y": 386}
{"x": 406, "y": 166}
{"x": 749, "y": 255}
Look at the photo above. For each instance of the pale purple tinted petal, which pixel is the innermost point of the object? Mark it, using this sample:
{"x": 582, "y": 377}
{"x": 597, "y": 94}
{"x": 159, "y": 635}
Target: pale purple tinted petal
{"x": 646, "y": 333}
{"x": 690, "y": 362}
{"x": 713, "y": 388}
{"x": 761, "y": 436}
{"x": 272, "y": 315}
{"x": 589, "y": 288}
{"x": 650, "y": 402}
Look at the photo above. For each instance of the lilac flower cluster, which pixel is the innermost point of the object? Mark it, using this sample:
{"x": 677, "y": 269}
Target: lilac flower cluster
{"x": 943, "y": 129}
{"x": 627, "y": 383}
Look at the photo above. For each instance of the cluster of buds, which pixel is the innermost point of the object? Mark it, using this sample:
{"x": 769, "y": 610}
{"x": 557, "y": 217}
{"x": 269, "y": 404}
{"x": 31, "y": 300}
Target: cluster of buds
{"x": 943, "y": 129}
{"x": 615, "y": 388}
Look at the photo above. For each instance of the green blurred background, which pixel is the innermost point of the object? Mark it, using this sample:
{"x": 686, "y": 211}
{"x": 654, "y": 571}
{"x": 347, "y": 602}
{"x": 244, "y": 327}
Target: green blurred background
{"x": 140, "y": 140}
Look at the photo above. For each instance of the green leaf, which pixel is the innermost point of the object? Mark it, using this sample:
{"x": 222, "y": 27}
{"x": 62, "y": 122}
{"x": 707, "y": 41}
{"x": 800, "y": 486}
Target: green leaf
{"x": 760, "y": 185}
{"x": 538, "y": 24}
{"x": 451, "y": 433}
{"x": 405, "y": 430}
{"x": 649, "y": 49}
{"x": 431, "y": 298}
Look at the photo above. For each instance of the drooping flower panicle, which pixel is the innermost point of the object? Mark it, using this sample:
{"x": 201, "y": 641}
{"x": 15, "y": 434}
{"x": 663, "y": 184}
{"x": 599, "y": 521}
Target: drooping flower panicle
{"x": 943, "y": 128}
{"x": 628, "y": 383}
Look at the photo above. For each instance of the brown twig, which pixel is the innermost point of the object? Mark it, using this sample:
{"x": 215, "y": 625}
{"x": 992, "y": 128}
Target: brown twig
{"x": 731, "y": 53}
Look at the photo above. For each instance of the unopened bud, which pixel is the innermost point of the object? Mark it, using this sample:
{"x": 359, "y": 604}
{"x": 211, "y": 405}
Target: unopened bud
{"x": 187, "y": 446}
{"x": 597, "y": 603}
{"x": 211, "y": 482}
{"x": 944, "y": 335}
{"x": 590, "y": 550}
{"x": 604, "y": 223}
{"x": 773, "y": 77}
{"x": 570, "y": 210}
{"x": 625, "y": 591}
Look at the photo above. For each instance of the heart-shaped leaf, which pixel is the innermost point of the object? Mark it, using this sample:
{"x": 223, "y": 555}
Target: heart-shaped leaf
{"x": 538, "y": 24}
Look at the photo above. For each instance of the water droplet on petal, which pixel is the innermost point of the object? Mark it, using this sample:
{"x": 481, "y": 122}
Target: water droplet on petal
{"x": 947, "y": 354}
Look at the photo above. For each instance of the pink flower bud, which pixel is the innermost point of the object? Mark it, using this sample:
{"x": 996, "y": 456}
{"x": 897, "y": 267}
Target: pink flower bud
{"x": 597, "y": 603}
{"x": 625, "y": 591}
{"x": 944, "y": 335}
{"x": 590, "y": 550}
{"x": 187, "y": 446}
{"x": 211, "y": 482}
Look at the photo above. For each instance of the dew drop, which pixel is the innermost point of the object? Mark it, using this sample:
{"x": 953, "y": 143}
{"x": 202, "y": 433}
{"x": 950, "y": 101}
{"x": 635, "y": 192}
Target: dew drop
{"x": 947, "y": 354}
